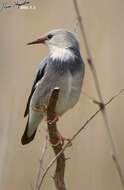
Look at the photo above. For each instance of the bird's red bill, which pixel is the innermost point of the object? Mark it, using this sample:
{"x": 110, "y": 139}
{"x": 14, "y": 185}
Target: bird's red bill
{"x": 38, "y": 41}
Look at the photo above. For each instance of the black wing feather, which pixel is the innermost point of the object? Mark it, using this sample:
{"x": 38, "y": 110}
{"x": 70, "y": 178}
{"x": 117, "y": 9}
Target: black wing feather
{"x": 39, "y": 76}
{"x": 25, "y": 139}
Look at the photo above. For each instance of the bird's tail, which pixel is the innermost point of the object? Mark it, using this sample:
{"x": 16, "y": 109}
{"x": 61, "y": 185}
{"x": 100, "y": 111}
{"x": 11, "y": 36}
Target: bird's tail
{"x": 25, "y": 138}
{"x": 34, "y": 120}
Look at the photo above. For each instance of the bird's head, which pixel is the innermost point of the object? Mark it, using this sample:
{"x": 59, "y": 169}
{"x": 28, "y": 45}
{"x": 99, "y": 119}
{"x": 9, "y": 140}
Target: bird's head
{"x": 59, "y": 38}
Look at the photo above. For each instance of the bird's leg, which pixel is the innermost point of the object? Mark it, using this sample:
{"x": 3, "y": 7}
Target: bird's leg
{"x": 62, "y": 139}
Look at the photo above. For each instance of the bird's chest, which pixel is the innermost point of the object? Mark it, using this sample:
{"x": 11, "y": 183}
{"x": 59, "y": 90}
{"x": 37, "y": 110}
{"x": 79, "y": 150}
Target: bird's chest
{"x": 69, "y": 92}
{"x": 67, "y": 75}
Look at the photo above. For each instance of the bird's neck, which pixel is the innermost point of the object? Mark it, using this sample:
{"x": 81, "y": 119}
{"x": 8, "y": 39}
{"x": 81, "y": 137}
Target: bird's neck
{"x": 62, "y": 54}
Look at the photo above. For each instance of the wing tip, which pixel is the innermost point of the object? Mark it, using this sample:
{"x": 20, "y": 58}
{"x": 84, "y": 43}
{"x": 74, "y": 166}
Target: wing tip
{"x": 25, "y": 139}
{"x": 25, "y": 114}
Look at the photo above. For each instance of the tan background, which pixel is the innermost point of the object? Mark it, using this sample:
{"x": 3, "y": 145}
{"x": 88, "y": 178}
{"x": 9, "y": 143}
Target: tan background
{"x": 91, "y": 166}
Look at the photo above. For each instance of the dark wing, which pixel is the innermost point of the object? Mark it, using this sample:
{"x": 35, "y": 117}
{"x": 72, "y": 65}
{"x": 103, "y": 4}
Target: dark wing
{"x": 39, "y": 75}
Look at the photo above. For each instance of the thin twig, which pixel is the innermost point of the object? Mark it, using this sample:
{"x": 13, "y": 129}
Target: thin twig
{"x": 76, "y": 134}
{"x": 41, "y": 163}
{"x": 105, "y": 116}
{"x": 57, "y": 147}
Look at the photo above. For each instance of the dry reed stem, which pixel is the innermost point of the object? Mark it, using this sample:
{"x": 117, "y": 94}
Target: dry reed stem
{"x": 105, "y": 116}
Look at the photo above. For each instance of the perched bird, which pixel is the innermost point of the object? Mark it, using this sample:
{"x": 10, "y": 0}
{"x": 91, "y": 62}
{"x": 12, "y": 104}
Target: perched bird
{"x": 63, "y": 68}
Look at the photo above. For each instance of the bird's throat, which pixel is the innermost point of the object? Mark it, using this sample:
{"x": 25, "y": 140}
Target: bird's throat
{"x": 62, "y": 54}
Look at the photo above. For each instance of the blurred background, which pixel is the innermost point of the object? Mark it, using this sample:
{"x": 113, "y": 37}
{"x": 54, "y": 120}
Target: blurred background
{"x": 91, "y": 166}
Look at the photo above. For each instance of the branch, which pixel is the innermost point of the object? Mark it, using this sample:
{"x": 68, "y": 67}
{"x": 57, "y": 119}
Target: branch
{"x": 76, "y": 134}
{"x": 52, "y": 128}
{"x": 105, "y": 116}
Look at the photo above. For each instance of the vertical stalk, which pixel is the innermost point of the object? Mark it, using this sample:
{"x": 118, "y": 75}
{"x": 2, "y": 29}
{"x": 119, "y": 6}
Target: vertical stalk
{"x": 115, "y": 156}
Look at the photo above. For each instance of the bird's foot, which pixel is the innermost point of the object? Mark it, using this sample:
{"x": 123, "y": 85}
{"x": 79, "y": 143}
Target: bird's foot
{"x": 62, "y": 140}
{"x": 56, "y": 118}
{"x": 60, "y": 137}
{"x": 37, "y": 109}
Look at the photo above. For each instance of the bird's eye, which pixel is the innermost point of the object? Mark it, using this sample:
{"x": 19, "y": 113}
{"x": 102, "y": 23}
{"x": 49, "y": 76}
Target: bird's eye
{"x": 49, "y": 36}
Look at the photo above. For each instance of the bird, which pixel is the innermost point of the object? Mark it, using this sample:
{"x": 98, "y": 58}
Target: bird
{"x": 63, "y": 68}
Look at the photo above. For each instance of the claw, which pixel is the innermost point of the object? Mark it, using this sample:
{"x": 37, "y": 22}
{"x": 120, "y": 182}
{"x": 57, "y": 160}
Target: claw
{"x": 61, "y": 140}
{"x": 37, "y": 109}
{"x": 43, "y": 109}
